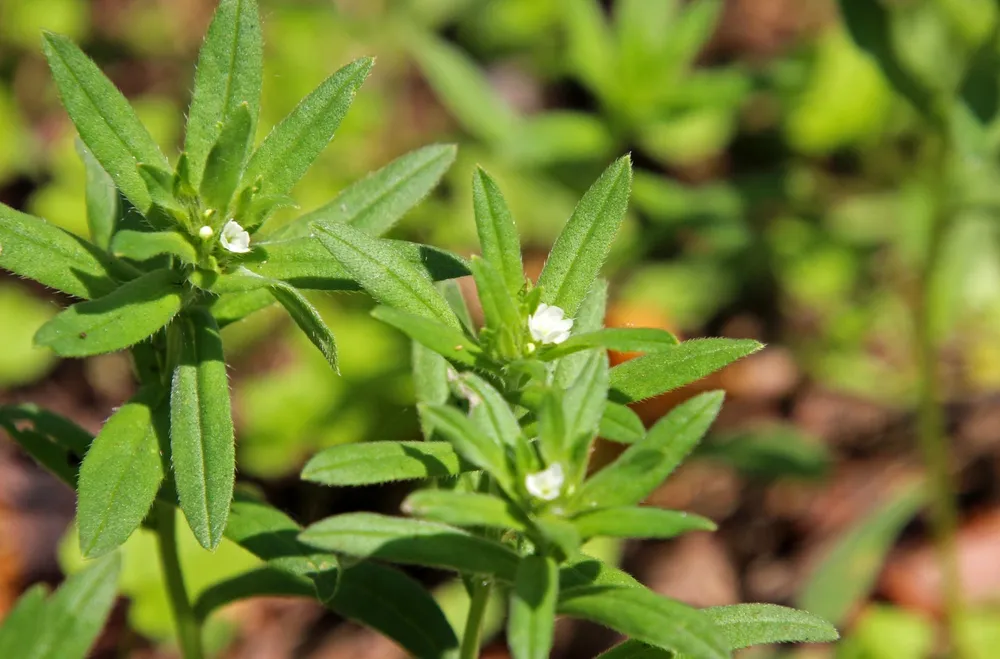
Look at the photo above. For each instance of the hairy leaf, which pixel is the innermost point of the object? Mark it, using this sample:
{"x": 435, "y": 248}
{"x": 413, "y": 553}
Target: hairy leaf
{"x": 442, "y": 339}
{"x": 382, "y": 462}
{"x": 533, "y": 608}
{"x": 497, "y": 233}
{"x": 623, "y": 339}
{"x": 633, "y": 522}
{"x": 620, "y": 424}
{"x": 143, "y": 245}
{"x": 471, "y": 443}
{"x": 103, "y": 203}
{"x": 225, "y": 162}
{"x": 309, "y": 321}
{"x": 465, "y": 509}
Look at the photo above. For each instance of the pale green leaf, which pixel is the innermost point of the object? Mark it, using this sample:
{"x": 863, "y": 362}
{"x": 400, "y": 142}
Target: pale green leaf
{"x": 622, "y": 339}
{"x": 620, "y": 424}
{"x": 633, "y": 522}
{"x": 380, "y": 462}
{"x": 589, "y": 318}
{"x": 470, "y": 441}
{"x": 225, "y": 162}
{"x": 533, "y": 608}
{"x": 143, "y": 245}
{"x": 103, "y": 203}
{"x": 497, "y": 233}
{"x": 464, "y": 509}
{"x": 442, "y": 339}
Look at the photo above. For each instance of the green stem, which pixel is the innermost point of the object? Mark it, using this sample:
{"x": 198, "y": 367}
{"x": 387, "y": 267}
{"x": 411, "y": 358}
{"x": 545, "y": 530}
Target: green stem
{"x": 188, "y": 625}
{"x": 472, "y": 637}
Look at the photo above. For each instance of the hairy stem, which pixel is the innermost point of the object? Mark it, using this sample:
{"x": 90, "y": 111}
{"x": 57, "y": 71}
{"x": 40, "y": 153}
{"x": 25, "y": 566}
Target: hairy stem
{"x": 188, "y": 626}
{"x": 472, "y": 637}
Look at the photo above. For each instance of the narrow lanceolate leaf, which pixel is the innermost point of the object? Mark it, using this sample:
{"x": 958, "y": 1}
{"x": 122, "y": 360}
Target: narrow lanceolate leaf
{"x": 103, "y": 204}
{"x": 583, "y": 570}
{"x": 201, "y": 429}
{"x": 143, "y": 245}
{"x": 645, "y": 464}
{"x": 309, "y": 321}
{"x": 579, "y": 252}
{"x": 33, "y": 248}
{"x": 620, "y": 424}
{"x": 57, "y": 444}
{"x": 383, "y": 462}
{"x": 226, "y": 159}
{"x": 375, "y": 203}
{"x": 497, "y": 233}
{"x": 131, "y": 313}
{"x": 76, "y": 613}
{"x": 384, "y": 273}
{"x": 262, "y": 582}
{"x": 228, "y": 75}
{"x": 465, "y": 509}
{"x": 583, "y": 406}
{"x": 645, "y": 616}
{"x": 121, "y": 474}
{"x": 670, "y": 368}
{"x": 533, "y": 608}
{"x": 24, "y": 625}
{"x": 492, "y": 412}
{"x": 229, "y": 308}
{"x": 442, "y": 339}
{"x": 293, "y": 145}
{"x": 500, "y": 310}
{"x": 622, "y": 339}
{"x": 430, "y": 381}
{"x": 589, "y": 318}
{"x": 412, "y": 542}
{"x": 633, "y": 522}
{"x": 104, "y": 119}
{"x": 471, "y": 443}
{"x": 744, "y": 625}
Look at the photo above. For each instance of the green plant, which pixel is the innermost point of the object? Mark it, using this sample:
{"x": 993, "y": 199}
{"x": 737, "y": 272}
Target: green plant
{"x": 173, "y": 258}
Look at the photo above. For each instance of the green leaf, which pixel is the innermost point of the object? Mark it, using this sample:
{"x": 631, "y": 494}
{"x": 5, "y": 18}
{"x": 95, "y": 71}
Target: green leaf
{"x": 116, "y": 321}
{"x": 160, "y": 185}
{"x": 583, "y": 406}
{"x": 620, "y": 424}
{"x": 559, "y": 137}
{"x": 229, "y": 308}
{"x": 591, "y": 49}
{"x": 144, "y": 245}
{"x": 384, "y": 273}
{"x": 671, "y": 368}
{"x": 225, "y": 162}
{"x": 769, "y": 452}
{"x": 452, "y": 293}
{"x": 470, "y": 441}
{"x": 76, "y": 613}
{"x": 121, "y": 474}
{"x": 583, "y": 570}
{"x": 633, "y": 522}
{"x": 500, "y": 311}
{"x": 622, "y": 339}
{"x": 430, "y": 382}
{"x": 497, "y": 233}
{"x": 228, "y": 76}
{"x": 645, "y": 464}
{"x": 305, "y": 263}
{"x": 308, "y": 320}
{"x": 744, "y": 625}
{"x": 292, "y": 146}
{"x": 412, "y": 542}
{"x": 382, "y": 462}
{"x": 24, "y": 625}
{"x": 847, "y": 573}
{"x": 33, "y": 248}
{"x": 201, "y": 429}
{"x": 265, "y": 581}
{"x": 57, "y": 444}
{"x": 645, "y": 616}
{"x": 464, "y": 509}
{"x": 533, "y": 608}
{"x": 375, "y": 203}
{"x": 442, "y": 339}
{"x": 589, "y": 318}
{"x": 104, "y": 119}
{"x": 464, "y": 90}
{"x": 103, "y": 204}
{"x": 584, "y": 243}
{"x": 492, "y": 412}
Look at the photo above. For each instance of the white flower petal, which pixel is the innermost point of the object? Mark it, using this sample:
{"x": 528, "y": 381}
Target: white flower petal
{"x": 548, "y": 324}
{"x": 234, "y": 238}
{"x": 546, "y": 485}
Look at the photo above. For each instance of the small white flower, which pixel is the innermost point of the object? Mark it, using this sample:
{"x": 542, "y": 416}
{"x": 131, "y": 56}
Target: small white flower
{"x": 547, "y": 324}
{"x": 205, "y": 232}
{"x": 234, "y": 238}
{"x": 545, "y": 485}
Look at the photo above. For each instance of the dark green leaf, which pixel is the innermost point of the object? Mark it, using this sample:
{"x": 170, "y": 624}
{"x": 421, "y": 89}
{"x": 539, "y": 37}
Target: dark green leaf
{"x": 56, "y": 443}
{"x": 265, "y": 581}
{"x": 384, "y": 273}
{"x": 308, "y": 320}
{"x": 201, "y": 429}
{"x": 471, "y": 443}
{"x": 104, "y": 119}
{"x": 645, "y": 616}
{"x": 228, "y": 76}
{"x": 621, "y": 424}
{"x": 160, "y": 185}
{"x": 631, "y": 522}
{"x": 533, "y": 608}
{"x": 670, "y": 368}
{"x": 442, "y": 339}
{"x": 226, "y": 159}
{"x": 465, "y": 509}
{"x": 116, "y": 321}
{"x": 294, "y": 144}
{"x": 412, "y": 542}
{"x": 381, "y": 462}
{"x": 375, "y": 203}
{"x": 645, "y": 464}
{"x": 103, "y": 204}
{"x": 497, "y": 233}
{"x": 582, "y": 570}
{"x": 143, "y": 245}
{"x": 623, "y": 339}
{"x": 846, "y": 575}
{"x": 491, "y": 411}
{"x": 580, "y": 251}
{"x": 121, "y": 474}
{"x": 33, "y": 248}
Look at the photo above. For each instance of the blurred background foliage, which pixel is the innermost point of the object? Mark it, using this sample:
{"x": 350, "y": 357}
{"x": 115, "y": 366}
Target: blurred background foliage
{"x": 781, "y": 191}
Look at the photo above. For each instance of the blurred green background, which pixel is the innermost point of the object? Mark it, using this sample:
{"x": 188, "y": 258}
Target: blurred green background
{"x": 782, "y": 191}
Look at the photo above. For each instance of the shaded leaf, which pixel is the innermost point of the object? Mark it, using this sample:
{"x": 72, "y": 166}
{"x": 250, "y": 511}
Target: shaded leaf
{"x": 144, "y": 245}
{"x": 225, "y": 162}
{"x": 471, "y": 443}
{"x": 381, "y": 462}
{"x": 442, "y": 339}
{"x": 533, "y": 608}
{"x": 103, "y": 204}
{"x": 464, "y": 509}
{"x": 308, "y": 320}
